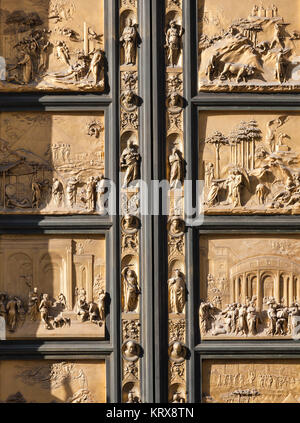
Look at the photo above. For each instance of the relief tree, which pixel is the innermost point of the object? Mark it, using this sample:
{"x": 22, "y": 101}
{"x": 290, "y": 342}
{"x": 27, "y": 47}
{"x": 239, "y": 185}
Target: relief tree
{"x": 254, "y": 134}
{"x": 217, "y": 139}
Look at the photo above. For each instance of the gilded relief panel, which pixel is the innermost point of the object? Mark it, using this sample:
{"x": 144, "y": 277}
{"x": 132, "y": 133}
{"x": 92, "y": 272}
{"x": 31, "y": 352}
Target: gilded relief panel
{"x": 52, "y": 45}
{"x": 249, "y": 287}
{"x": 52, "y": 287}
{"x": 52, "y": 163}
{"x": 249, "y": 45}
{"x": 53, "y": 381}
{"x": 250, "y": 162}
{"x": 250, "y": 381}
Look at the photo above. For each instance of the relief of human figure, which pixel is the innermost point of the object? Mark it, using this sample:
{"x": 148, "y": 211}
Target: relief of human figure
{"x": 91, "y": 193}
{"x": 212, "y": 196}
{"x": 27, "y": 67}
{"x": 234, "y": 184}
{"x": 176, "y": 163}
{"x": 95, "y": 64}
{"x": 130, "y": 160}
{"x": 12, "y": 314}
{"x": 71, "y": 190}
{"x": 33, "y": 304}
{"x": 252, "y": 322}
{"x": 177, "y": 292}
{"x": 57, "y": 192}
{"x": 173, "y": 42}
{"x": 101, "y": 189}
{"x": 36, "y": 195}
{"x": 44, "y": 57}
{"x": 277, "y": 39}
{"x": 101, "y": 304}
{"x": 62, "y": 53}
{"x": 130, "y": 290}
{"x": 206, "y": 316}
{"x": 2, "y": 305}
{"x": 281, "y": 68}
{"x": 129, "y": 42}
{"x": 44, "y": 309}
{"x": 82, "y": 305}
{"x": 209, "y": 174}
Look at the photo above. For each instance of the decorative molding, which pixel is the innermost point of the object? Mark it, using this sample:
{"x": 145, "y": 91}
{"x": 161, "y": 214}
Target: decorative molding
{"x": 175, "y": 170}
{"x": 130, "y": 164}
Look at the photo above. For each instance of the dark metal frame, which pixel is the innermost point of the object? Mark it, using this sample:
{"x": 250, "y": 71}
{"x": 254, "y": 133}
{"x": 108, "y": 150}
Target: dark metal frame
{"x": 197, "y": 102}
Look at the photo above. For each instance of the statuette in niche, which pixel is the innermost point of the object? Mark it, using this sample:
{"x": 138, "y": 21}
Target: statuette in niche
{"x": 129, "y": 40}
{"x": 130, "y": 161}
{"x": 129, "y": 101}
{"x": 177, "y": 352}
{"x": 177, "y": 168}
{"x": 131, "y": 351}
{"x": 174, "y": 102}
{"x": 131, "y": 290}
{"x": 130, "y": 224}
{"x": 177, "y": 292}
{"x": 173, "y": 42}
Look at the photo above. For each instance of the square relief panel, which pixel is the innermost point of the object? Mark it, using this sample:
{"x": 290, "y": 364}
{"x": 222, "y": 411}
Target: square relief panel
{"x": 250, "y": 162}
{"x": 52, "y": 163}
{"x": 249, "y": 45}
{"x": 249, "y": 287}
{"x": 52, "y": 287}
{"x": 52, "y": 45}
{"x": 250, "y": 381}
{"x": 49, "y": 381}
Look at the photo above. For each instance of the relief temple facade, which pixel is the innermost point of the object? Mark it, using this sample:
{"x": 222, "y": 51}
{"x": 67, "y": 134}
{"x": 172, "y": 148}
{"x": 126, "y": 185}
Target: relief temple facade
{"x": 149, "y": 201}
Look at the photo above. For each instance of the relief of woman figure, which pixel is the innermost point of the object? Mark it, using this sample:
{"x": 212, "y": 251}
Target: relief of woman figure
{"x": 33, "y": 304}
{"x": 177, "y": 292}
{"x": 130, "y": 290}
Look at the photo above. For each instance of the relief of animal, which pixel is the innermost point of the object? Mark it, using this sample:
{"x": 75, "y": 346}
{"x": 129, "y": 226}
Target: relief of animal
{"x": 241, "y": 71}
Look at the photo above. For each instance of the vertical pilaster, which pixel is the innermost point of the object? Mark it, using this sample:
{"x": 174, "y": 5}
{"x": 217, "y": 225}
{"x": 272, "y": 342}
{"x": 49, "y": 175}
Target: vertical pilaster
{"x": 175, "y": 170}
{"x": 130, "y": 220}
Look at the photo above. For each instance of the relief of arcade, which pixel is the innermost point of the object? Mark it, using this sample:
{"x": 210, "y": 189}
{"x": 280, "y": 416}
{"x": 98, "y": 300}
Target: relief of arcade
{"x": 52, "y": 287}
{"x": 245, "y": 294}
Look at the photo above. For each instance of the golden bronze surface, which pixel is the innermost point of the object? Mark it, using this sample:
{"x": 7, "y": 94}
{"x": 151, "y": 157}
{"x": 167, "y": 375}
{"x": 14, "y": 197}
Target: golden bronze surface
{"x": 249, "y": 287}
{"x": 36, "y": 381}
{"x": 52, "y": 287}
{"x": 248, "y": 46}
{"x": 52, "y": 45}
{"x": 52, "y": 163}
{"x": 250, "y": 162}
{"x": 251, "y": 381}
